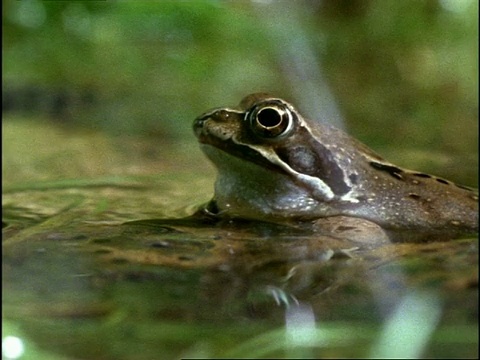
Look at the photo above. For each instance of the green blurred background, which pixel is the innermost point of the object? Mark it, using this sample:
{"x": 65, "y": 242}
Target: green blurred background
{"x": 402, "y": 76}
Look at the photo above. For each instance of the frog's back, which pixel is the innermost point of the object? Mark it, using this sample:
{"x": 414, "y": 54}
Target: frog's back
{"x": 421, "y": 202}
{"x": 398, "y": 198}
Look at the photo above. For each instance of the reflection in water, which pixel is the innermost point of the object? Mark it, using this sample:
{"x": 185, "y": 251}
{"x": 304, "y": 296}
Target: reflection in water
{"x": 272, "y": 290}
{"x": 258, "y": 271}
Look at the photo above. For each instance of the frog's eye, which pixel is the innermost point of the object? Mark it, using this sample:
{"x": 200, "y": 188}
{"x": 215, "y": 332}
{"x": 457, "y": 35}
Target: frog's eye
{"x": 270, "y": 121}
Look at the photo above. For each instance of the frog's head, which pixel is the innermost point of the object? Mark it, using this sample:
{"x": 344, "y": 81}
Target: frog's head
{"x": 267, "y": 149}
{"x": 252, "y": 132}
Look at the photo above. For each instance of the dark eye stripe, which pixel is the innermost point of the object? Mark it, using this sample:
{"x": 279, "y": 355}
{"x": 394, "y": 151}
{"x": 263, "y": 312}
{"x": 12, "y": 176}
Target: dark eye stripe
{"x": 314, "y": 159}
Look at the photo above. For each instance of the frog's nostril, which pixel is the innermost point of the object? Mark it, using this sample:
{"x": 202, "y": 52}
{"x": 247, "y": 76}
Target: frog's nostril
{"x": 198, "y": 125}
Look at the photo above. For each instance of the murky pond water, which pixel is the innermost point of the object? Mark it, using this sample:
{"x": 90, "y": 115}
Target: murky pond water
{"x": 93, "y": 270}
{"x": 83, "y": 281}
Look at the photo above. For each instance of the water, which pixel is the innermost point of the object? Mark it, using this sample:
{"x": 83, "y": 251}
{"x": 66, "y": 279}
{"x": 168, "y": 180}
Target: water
{"x": 85, "y": 282}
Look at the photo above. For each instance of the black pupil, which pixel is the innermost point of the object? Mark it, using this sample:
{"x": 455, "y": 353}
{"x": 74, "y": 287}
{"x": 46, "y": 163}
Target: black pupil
{"x": 269, "y": 118}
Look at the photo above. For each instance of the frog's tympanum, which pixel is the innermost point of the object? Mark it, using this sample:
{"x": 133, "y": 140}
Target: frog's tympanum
{"x": 276, "y": 166}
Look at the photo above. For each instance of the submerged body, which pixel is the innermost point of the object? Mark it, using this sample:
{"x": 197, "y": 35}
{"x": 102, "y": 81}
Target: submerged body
{"x": 274, "y": 165}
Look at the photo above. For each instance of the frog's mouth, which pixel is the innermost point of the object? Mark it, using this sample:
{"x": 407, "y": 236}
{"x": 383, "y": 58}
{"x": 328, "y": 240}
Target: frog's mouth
{"x": 226, "y": 143}
{"x": 242, "y": 152}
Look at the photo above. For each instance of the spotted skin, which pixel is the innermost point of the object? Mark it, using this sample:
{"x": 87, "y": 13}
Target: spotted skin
{"x": 275, "y": 165}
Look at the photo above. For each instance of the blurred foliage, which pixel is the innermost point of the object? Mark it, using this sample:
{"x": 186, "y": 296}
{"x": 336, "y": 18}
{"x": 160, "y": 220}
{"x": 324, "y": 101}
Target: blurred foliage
{"x": 403, "y": 72}
{"x": 144, "y": 64}
{"x": 413, "y": 64}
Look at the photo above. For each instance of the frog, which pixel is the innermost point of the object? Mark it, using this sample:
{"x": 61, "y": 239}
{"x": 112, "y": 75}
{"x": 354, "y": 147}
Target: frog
{"x": 275, "y": 165}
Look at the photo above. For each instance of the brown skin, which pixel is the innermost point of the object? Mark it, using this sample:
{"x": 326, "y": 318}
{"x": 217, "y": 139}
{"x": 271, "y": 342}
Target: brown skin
{"x": 275, "y": 165}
